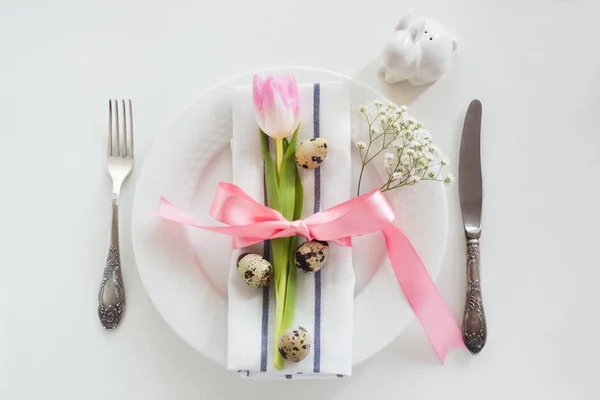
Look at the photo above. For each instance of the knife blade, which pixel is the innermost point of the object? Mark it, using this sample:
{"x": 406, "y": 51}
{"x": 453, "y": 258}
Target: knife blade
{"x": 471, "y": 199}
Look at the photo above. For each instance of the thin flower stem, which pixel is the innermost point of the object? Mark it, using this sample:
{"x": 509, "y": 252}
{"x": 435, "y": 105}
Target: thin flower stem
{"x": 405, "y": 183}
{"x": 362, "y": 169}
{"x": 364, "y": 163}
{"x": 365, "y": 159}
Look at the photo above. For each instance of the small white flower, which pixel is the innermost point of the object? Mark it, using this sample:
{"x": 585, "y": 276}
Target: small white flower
{"x": 449, "y": 178}
{"x": 445, "y": 161}
{"x": 423, "y": 134}
{"x": 362, "y": 108}
{"x": 414, "y": 144}
{"x": 388, "y": 156}
{"x": 433, "y": 170}
{"x": 382, "y": 112}
{"x": 410, "y": 152}
{"x": 403, "y": 108}
{"x": 387, "y": 163}
{"x": 429, "y": 156}
{"x": 433, "y": 149}
{"x": 396, "y": 176}
{"x": 378, "y": 104}
{"x": 361, "y": 145}
{"x": 405, "y": 160}
{"x": 424, "y": 143}
{"x": 412, "y": 121}
{"x": 413, "y": 179}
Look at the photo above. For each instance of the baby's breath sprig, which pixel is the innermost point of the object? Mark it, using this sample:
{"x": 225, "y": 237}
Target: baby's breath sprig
{"x": 410, "y": 155}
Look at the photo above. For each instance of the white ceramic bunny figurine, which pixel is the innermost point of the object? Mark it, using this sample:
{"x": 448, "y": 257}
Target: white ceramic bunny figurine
{"x": 419, "y": 51}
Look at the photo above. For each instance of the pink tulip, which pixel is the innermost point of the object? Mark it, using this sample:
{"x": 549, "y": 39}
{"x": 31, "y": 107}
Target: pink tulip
{"x": 276, "y": 105}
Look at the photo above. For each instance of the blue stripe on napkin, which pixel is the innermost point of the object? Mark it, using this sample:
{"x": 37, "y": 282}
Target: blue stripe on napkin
{"x": 264, "y": 341}
{"x": 317, "y": 208}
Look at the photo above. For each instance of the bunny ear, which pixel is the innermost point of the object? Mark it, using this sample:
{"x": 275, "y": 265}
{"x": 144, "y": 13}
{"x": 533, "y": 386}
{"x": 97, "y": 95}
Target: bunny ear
{"x": 404, "y": 22}
{"x": 416, "y": 31}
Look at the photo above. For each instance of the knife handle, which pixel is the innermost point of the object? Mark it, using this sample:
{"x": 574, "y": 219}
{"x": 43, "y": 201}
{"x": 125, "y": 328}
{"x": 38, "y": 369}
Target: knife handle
{"x": 474, "y": 325}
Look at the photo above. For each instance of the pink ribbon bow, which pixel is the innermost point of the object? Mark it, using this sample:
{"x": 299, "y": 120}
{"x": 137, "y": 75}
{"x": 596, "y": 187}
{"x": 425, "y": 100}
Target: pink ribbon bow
{"x": 250, "y": 222}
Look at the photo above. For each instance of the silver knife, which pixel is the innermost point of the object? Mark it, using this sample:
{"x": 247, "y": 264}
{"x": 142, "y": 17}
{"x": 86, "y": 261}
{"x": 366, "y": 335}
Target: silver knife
{"x": 470, "y": 191}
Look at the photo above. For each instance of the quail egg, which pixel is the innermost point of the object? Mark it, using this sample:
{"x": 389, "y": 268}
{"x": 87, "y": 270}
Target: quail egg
{"x": 310, "y": 256}
{"x": 311, "y": 153}
{"x": 294, "y": 344}
{"x": 254, "y": 270}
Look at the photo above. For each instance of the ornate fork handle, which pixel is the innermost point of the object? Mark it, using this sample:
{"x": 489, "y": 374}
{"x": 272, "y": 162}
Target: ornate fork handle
{"x": 474, "y": 324}
{"x": 111, "y": 298}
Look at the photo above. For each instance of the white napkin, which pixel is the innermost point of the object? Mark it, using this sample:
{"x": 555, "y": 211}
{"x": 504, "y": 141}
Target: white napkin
{"x": 325, "y": 299}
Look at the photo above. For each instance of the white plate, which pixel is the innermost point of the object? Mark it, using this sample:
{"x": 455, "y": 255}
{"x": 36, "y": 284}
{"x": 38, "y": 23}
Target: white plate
{"x": 185, "y": 270}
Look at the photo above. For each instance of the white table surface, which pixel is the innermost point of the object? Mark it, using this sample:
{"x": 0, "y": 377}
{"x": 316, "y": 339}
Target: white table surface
{"x": 535, "y": 66}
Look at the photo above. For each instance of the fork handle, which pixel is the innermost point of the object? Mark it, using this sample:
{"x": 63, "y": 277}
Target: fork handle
{"x": 474, "y": 323}
{"x": 111, "y": 297}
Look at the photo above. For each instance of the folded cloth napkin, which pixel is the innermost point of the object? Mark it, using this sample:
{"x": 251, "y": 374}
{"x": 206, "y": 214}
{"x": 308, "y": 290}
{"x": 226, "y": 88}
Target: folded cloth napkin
{"x": 325, "y": 299}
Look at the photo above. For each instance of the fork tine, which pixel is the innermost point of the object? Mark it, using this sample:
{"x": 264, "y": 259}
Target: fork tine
{"x": 130, "y": 152}
{"x": 118, "y": 140}
{"x": 124, "y": 146}
{"x": 110, "y": 128}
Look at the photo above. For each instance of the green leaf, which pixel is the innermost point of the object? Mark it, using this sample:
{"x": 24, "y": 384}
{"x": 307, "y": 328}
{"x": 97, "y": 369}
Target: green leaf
{"x": 286, "y": 196}
{"x": 290, "y": 150}
{"x": 279, "y": 250}
{"x": 280, "y": 303}
{"x": 287, "y": 179}
{"x": 273, "y": 199}
{"x": 289, "y": 307}
{"x": 285, "y": 145}
{"x": 299, "y": 202}
{"x": 284, "y": 304}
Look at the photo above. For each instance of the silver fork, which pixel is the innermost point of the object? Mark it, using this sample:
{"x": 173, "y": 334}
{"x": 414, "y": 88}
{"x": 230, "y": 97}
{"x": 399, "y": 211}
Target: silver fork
{"x": 111, "y": 298}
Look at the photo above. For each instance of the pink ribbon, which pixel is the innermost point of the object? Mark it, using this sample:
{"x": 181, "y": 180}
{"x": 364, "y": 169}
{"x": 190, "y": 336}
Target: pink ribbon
{"x": 250, "y": 222}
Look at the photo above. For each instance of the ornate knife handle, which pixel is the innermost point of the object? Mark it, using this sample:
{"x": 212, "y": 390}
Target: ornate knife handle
{"x": 474, "y": 325}
{"x": 111, "y": 298}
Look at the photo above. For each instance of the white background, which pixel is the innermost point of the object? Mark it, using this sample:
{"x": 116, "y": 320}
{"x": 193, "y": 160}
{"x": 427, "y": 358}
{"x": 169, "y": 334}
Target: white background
{"x": 535, "y": 66}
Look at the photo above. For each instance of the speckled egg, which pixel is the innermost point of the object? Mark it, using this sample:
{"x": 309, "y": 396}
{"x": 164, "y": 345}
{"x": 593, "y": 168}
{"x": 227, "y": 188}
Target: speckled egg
{"x": 310, "y": 256}
{"x": 254, "y": 270}
{"x": 311, "y": 153}
{"x": 294, "y": 344}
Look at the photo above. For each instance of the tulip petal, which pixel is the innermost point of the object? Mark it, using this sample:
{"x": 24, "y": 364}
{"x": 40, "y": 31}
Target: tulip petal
{"x": 276, "y": 104}
{"x": 257, "y": 88}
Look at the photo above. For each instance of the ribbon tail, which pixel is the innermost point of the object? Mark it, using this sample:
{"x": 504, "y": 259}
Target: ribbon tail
{"x": 243, "y": 235}
{"x": 168, "y": 211}
{"x": 421, "y": 293}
